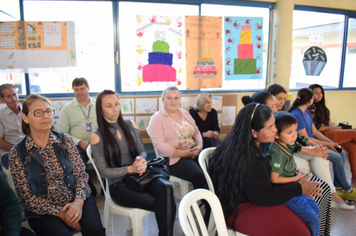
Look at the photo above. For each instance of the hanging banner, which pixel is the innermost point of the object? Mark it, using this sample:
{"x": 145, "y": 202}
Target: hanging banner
{"x": 203, "y": 44}
{"x": 25, "y": 44}
{"x": 243, "y": 47}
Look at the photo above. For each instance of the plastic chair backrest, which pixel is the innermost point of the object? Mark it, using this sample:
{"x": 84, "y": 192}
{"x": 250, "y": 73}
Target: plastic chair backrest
{"x": 204, "y": 164}
{"x": 107, "y": 196}
{"x": 190, "y": 217}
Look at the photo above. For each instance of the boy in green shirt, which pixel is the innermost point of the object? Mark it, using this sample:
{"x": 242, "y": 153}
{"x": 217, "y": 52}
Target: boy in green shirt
{"x": 284, "y": 169}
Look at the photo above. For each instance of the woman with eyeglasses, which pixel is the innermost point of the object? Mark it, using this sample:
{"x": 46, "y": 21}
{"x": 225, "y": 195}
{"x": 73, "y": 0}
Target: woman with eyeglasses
{"x": 49, "y": 176}
{"x": 240, "y": 173}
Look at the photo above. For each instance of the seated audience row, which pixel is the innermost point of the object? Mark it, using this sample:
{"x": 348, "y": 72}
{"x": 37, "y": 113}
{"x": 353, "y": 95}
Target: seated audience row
{"x": 239, "y": 168}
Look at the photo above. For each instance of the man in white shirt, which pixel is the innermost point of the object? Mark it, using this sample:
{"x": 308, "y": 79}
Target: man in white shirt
{"x": 10, "y": 121}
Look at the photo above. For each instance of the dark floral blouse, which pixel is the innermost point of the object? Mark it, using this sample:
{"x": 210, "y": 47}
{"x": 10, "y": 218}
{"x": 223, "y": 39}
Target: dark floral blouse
{"x": 57, "y": 194}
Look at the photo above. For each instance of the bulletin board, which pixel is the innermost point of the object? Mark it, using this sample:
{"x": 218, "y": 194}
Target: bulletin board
{"x": 36, "y": 44}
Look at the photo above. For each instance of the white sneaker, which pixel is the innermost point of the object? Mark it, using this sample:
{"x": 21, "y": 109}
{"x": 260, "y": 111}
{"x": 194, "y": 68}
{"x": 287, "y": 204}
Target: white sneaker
{"x": 342, "y": 206}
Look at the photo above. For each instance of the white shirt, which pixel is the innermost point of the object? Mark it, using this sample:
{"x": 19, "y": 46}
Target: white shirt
{"x": 10, "y": 127}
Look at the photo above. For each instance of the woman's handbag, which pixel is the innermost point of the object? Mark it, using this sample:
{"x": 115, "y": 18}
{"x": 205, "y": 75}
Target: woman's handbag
{"x": 156, "y": 168}
{"x": 345, "y": 125}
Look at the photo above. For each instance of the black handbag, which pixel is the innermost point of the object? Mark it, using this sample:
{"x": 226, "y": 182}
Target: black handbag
{"x": 345, "y": 125}
{"x": 156, "y": 168}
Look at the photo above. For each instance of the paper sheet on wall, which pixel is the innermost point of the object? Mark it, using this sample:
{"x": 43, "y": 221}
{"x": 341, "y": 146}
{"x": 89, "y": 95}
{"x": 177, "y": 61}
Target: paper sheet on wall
{"x": 25, "y": 44}
{"x": 243, "y": 47}
{"x": 127, "y": 105}
{"x": 203, "y": 41}
{"x": 219, "y": 119}
{"x": 142, "y": 121}
{"x": 146, "y": 105}
{"x": 157, "y": 58}
{"x": 216, "y": 102}
{"x": 228, "y": 115}
{"x": 57, "y": 105}
{"x": 187, "y": 102}
{"x": 129, "y": 118}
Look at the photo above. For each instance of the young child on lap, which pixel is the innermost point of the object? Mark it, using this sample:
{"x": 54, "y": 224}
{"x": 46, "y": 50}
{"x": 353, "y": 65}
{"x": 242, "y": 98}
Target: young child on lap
{"x": 284, "y": 169}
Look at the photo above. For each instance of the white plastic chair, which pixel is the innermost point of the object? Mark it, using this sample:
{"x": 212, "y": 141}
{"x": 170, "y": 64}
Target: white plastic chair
{"x": 135, "y": 214}
{"x": 184, "y": 184}
{"x": 204, "y": 164}
{"x": 191, "y": 219}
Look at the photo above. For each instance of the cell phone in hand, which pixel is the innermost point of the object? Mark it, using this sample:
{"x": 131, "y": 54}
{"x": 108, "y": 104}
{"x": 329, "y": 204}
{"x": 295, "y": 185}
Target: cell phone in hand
{"x": 338, "y": 149}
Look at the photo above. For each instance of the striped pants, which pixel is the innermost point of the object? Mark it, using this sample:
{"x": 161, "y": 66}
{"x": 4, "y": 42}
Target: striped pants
{"x": 324, "y": 203}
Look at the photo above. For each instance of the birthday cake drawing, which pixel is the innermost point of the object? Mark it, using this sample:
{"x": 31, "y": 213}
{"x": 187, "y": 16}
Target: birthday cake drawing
{"x": 245, "y": 63}
{"x": 205, "y": 69}
{"x": 160, "y": 61}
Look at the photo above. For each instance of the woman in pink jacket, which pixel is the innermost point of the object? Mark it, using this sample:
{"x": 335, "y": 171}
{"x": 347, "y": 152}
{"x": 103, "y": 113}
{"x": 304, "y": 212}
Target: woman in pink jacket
{"x": 174, "y": 135}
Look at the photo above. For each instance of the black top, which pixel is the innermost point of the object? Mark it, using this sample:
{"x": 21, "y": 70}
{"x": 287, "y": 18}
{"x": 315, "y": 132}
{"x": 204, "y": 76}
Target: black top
{"x": 210, "y": 123}
{"x": 258, "y": 188}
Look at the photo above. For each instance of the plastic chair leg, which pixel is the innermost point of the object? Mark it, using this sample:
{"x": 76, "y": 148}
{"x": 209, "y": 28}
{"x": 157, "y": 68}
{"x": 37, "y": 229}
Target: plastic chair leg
{"x": 106, "y": 215}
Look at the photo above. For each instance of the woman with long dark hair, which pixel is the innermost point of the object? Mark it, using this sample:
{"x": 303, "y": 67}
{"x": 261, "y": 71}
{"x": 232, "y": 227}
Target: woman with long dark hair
{"x": 306, "y": 127}
{"x": 261, "y": 97}
{"x": 240, "y": 173}
{"x": 321, "y": 117}
{"x": 280, "y": 94}
{"x": 118, "y": 150}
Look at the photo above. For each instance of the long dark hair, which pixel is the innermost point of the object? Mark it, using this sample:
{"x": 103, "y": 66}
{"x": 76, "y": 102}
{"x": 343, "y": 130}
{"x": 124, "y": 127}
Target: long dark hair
{"x": 275, "y": 89}
{"x": 260, "y": 97}
{"x": 321, "y": 111}
{"x": 303, "y": 97}
{"x": 113, "y": 160}
{"x": 231, "y": 159}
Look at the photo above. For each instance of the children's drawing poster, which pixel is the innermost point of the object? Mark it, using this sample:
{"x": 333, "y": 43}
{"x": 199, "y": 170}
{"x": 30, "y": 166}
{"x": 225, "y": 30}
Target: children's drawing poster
{"x": 216, "y": 102}
{"x": 187, "y": 102}
{"x": 142, "y": 121}
{"x": 159, "y": 52}
{"x": 127, "y": 105}
{"x": 57, "y": 106}
{"x": 243, "y": 47}
{"x": 36, "y": 44}
{"x": 203, "y": 42}
{"x": 146, "y": 105}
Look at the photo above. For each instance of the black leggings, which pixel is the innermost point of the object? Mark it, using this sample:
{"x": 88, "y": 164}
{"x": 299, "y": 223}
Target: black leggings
{"x": 55, "y": 226}
{"x": 189, "y": 169}
{"x": 158, "y": 198}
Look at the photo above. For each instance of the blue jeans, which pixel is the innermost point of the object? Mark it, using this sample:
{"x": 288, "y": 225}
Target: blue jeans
{"x": 307, "y": 209}
{"x": 338, "y": 161}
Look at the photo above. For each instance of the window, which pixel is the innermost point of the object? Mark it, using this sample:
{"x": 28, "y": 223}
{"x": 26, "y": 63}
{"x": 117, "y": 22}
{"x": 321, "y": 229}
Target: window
{"x": 315, "y": 33}
{"x": 130, "y": 14}
{"x": 350, "y": 59}
{"x": 94, "y": 45}
{"x": 242, "y": 11}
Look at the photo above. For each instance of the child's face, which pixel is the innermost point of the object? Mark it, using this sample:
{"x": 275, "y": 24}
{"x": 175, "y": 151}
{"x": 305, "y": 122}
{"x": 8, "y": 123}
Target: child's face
{"x": 288, "y": 135}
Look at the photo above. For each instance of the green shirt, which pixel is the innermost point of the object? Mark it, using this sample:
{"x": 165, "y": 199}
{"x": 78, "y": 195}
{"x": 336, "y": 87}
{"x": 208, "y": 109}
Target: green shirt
{"x": 10, "y": 213}
{"x": 281, "y": 159}
{"x": 74, "y": 118}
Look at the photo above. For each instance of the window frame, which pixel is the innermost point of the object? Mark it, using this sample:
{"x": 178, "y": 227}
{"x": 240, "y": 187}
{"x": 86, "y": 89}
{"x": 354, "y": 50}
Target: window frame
{"x": 115, "y": 7}
{"x": 347, "y": 14}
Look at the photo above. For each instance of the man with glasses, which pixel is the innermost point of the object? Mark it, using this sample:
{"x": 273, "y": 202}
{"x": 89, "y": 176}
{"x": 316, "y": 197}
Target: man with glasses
{"x": 78, "y": 119}
{"x": 10, "y": 121}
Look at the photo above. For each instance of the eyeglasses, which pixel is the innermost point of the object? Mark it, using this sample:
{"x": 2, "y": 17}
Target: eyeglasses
{"x": 253, "y": 113}
{"x": 40, "y": 113}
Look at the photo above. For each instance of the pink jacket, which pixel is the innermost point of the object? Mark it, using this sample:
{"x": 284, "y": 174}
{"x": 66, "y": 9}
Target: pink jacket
{"x": 164, "y": 136}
